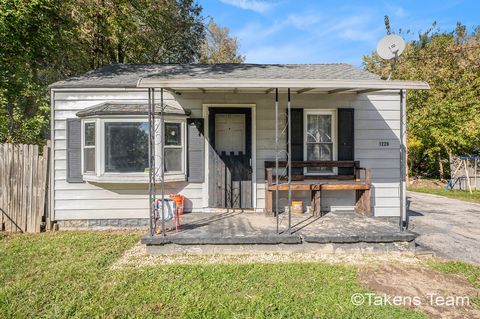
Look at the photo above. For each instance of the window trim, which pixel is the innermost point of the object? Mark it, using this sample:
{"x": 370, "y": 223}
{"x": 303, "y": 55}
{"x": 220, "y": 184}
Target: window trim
{"x": 95, "y": 147}
{"x": 333, "y": 113}
{"x": 182, "y": 146}
{"x": 128, "y": 177}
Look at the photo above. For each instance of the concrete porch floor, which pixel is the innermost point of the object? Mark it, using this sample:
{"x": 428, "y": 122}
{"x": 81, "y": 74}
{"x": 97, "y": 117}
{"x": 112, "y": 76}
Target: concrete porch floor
{"x": 248, "y": 228}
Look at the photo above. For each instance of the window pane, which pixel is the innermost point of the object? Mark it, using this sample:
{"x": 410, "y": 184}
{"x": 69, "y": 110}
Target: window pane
{"x": 173, "y": 159}
{"x": 173, "y": 134}
{"x": 319, "y": 128}
{"x": 89, "y": 134}
{"x": 319, "y": 152}
{"x": 126, "y": 147}
{"x": 89, "y": 160}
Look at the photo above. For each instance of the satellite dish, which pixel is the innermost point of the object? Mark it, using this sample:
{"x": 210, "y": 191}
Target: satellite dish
{"x": 390, "y": 47}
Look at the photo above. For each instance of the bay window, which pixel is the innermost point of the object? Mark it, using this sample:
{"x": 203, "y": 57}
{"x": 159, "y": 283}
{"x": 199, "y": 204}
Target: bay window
{"x": 126, "y": 147}
{"x": 116, "y": 149}
{"x": 320, "y": 139}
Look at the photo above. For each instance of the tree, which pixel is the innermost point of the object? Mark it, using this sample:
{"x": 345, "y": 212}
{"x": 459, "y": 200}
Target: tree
{"x": 31, "y": 39}
{"x": 445, "y": 120}
{"x": 219, "y": 46}
{"x": 43, "y": 41}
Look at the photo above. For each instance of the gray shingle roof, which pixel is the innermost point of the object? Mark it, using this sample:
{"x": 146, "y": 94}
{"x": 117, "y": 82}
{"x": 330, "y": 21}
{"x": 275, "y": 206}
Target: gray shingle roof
{"x": 110, "y": 108}
{"x": 127, "y": 75}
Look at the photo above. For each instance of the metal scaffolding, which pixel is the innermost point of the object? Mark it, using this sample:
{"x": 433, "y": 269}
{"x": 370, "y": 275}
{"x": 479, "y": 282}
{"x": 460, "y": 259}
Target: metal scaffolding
{"x": 156, "y": 173}
{"x": 157, "y": 168}
{"x": 289, "y": 162}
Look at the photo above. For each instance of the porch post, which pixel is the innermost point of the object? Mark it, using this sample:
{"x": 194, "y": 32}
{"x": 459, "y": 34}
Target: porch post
{"x": 289, "y": 164}
{"x": 276, "y": 155}
{"x": 151, "y": 134}
{"x": 162, "y": 160}
{"x": 403, "y": 160}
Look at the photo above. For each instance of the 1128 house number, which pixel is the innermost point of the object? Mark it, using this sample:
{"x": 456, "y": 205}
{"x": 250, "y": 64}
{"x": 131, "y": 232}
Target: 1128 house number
{"x": 383, "y": 143}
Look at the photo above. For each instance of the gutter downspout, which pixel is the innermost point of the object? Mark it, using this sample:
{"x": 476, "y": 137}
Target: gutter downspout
{"x": 403, "y": 161}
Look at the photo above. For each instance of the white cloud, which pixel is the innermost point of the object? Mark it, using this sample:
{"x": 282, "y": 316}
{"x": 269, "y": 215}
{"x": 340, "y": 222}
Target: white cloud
{"x": 359, "y": 35}
{"x": 397, "y": 12}
{"x": 289, "y": 53}
{"x": 256, "y": 32}
{"x": 310, "y": 36}
{"x": 301, "y": 21}
{"x": 254, "y": 5}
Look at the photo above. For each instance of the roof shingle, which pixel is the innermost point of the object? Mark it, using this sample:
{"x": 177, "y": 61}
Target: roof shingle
{"x": 127, "y": 75}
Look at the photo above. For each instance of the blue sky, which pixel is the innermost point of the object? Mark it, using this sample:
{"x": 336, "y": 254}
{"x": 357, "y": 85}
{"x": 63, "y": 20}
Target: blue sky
{"x": 301, "y": 31}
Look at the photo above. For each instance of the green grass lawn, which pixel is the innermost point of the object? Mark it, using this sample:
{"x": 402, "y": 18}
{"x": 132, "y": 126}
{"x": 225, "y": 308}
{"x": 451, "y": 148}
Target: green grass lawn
{"x": 68, "y": 274}
{"x": 461, "y": 195}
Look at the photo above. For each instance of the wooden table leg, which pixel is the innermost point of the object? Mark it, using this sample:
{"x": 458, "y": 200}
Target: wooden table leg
{"x": 315, "y": 203}
{"x": 367, "y": 203}
{"x": 363, "y": 205}
{"x": 268, "y": 201}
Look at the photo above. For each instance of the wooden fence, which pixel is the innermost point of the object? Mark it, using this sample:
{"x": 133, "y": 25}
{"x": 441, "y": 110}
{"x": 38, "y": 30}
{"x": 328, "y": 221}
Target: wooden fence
{"x": 24, "y": 187}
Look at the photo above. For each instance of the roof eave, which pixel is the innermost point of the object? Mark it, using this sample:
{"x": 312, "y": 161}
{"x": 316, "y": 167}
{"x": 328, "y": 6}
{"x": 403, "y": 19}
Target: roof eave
{"x": 264, "y": 84}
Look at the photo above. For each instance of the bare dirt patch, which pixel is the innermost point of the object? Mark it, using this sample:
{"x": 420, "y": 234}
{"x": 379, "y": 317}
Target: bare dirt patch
{"x": 137, "y": 256}
{"x": 426, "y": 183}
{"x": 429, "y": 286}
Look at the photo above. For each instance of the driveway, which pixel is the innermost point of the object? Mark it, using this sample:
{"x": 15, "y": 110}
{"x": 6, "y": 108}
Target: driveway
{"x": 449, "y": 227}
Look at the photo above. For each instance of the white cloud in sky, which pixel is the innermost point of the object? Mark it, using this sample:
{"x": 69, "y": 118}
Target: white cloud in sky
{"x": 287, "y": 53}
{"x": 359, "y": 35}
{"x": 301, "y": 21}
{"x": 254, "y": 33}
{"x": 254, "y": 5}
{"x": 311, "y": 24}
{"x": 397, "y": 12}
{"x": 320, "y": 33}
{"x": 310, "y": 34}
{"x": 359, "y": 28}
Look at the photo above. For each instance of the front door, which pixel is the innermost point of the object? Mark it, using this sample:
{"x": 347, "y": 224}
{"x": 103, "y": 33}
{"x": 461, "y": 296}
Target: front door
{"x": 230, "y": 158}
{"x": 230, "y": 133}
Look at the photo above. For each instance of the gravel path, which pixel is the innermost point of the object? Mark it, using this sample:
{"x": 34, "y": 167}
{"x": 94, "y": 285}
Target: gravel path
{"x": 449, "y": 227}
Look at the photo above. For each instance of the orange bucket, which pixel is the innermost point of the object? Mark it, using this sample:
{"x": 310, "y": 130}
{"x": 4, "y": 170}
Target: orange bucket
{"x": 297, "y": 206}
{"x": 179, "y": 200}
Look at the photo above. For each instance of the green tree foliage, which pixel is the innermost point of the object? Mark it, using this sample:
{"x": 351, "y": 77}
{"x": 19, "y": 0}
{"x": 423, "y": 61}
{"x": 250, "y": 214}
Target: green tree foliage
{"x": 42, "y": 41}
{"x": 445, "y": 120}
{"x": 219, "y": 46}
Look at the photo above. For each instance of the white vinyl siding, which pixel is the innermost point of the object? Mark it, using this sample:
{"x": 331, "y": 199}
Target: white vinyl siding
{"x": 376, "y": 120}
{"x": 102, "y": 200}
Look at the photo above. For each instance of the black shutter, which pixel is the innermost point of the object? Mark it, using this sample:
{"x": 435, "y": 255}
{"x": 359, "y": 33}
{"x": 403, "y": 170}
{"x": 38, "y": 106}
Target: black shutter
{"x": 196, "y": 150}
{"x": 74, "y": 151}
{"x": 297, "y": 138}
{"x": 346, "y": 139}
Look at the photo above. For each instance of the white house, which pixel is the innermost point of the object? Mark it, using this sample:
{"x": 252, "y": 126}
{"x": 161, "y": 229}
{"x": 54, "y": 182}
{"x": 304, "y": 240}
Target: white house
{"x": 223, "y": 116}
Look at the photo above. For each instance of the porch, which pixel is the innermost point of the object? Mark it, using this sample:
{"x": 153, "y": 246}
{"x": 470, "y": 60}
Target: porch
{"x": 312, "y": 136}
{"x": 248, "y": 229}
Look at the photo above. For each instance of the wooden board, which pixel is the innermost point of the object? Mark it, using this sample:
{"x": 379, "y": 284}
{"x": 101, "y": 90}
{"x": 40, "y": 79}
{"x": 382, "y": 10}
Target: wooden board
{"x": 24, "y": 178}
{"x": 326, "y": 187}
